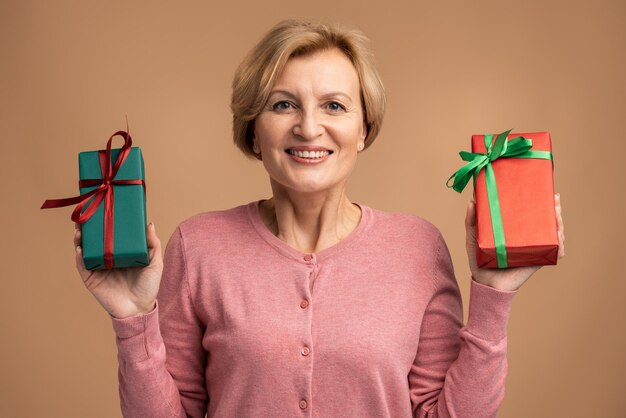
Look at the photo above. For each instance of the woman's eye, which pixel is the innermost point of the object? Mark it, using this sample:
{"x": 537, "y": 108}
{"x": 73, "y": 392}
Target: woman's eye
{"x": 282, "y": 105}
{"x": 335, "y": 106}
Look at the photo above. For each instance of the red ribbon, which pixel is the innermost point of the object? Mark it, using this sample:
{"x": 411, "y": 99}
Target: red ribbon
{"x": 104, "y": 192}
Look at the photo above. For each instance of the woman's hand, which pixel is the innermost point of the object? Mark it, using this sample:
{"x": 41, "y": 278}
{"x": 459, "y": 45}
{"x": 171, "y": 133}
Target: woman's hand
{"x": 510, "y": 278}
{"x": 128, "y": 291}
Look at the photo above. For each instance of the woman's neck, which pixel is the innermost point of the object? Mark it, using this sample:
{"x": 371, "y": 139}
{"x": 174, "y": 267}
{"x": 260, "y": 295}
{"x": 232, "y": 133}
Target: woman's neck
{"x": 310, "y": 222}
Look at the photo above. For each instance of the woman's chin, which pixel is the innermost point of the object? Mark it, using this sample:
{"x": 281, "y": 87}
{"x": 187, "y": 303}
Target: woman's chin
{"x": 307, "y": 187}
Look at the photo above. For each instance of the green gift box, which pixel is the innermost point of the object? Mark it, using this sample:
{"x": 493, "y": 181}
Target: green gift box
{"x": 130, "y": 248}
{"x": 111, "y": 207}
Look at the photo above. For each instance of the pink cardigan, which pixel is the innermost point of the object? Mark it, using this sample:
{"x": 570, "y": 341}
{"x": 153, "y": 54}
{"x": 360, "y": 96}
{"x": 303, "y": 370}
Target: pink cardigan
{"x": 247, "y": 326}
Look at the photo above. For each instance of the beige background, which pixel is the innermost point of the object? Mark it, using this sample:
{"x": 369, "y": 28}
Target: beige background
{"x": 71, "y": 70}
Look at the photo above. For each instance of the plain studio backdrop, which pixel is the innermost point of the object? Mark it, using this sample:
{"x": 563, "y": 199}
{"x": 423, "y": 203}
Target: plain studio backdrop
{"x": 72, "y": 70}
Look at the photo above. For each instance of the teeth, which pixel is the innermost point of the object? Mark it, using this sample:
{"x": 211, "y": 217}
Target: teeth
{"x": 309, "y": 154}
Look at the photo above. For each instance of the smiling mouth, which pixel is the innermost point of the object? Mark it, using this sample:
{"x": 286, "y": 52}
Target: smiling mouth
{"x": 309, "y": 154}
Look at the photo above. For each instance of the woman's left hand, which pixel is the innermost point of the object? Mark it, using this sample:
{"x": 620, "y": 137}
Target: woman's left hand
{"x": 510, "y": 278}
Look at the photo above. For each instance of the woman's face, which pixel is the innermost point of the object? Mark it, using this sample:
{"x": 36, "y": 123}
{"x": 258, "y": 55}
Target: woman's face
{"x": 311, "y": 127}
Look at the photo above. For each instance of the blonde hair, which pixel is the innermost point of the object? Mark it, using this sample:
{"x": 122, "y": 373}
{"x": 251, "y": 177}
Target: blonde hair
{"x": 257, "y": 73}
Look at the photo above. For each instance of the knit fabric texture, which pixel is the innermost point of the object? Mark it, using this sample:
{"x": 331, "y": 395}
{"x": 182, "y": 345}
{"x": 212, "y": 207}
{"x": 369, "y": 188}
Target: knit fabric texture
{"x": 247, "y": 326}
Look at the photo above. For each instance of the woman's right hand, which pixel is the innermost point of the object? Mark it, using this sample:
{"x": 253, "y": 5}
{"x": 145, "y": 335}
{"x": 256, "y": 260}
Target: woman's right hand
{"x": 128, "y": 291}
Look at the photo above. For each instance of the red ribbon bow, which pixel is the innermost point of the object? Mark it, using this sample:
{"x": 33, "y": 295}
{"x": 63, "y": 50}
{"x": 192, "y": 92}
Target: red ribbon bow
{"x": 104, "y": 192}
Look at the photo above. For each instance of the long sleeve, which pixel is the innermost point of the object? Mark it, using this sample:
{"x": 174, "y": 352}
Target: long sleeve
{"x": 371, "y": 327}
{"x": 152, "y": 382}
{"x": 460, "y": 371}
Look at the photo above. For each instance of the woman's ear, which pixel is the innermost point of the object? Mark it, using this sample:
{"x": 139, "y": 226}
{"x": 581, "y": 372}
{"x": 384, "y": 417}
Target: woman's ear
{"x": 365, "y": 130}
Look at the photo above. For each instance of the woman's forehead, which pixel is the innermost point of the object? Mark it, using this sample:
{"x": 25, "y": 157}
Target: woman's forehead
{"x": 321, "y": 72}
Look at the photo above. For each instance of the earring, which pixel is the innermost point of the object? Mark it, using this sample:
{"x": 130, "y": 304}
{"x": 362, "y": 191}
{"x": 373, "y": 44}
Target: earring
{"x": 255, "y": 148}
{"x": 360, "y": 147}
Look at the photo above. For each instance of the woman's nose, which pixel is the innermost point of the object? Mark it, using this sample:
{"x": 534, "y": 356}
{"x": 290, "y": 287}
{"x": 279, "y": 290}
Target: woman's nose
{"x": 308, "y": 126}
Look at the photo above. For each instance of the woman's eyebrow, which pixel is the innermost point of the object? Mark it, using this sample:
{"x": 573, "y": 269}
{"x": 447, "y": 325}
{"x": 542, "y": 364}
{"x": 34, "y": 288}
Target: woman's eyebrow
{"x": 337, "y": 94}
{"x": 283, "y": 92}
{"x": 328, "y": 95}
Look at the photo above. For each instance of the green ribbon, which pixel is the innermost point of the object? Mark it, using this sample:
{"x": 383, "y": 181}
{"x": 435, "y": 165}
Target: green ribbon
{"x": 518, "y": 147}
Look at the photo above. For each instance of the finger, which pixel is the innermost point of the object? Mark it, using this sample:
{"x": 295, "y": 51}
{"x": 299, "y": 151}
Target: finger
{"x": 80, "y": 263}
{"x": 154, "y": 243}
{"x": 470, "y": 235}
{"x": 470, "y": 215}
{"x": 470, "y": 223}
{"x": 560, "y": 226}
{"x": 559, "y": 213}
{"x": 77, "y": 238}
{"x": 78, "y": 251}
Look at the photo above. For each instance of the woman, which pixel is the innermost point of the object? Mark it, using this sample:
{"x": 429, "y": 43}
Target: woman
{"x": 307, "y": 304}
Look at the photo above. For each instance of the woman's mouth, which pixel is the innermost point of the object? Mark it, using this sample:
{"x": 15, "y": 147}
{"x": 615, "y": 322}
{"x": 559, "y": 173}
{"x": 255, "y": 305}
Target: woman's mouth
{"x": 309, "y": 154}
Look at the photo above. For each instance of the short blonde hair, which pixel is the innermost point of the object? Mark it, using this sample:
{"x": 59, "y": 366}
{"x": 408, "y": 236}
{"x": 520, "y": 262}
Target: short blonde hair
{"x": 256, "y": 75}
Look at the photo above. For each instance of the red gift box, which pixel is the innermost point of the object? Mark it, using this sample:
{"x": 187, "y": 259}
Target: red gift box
{"x": 525, "y": 191}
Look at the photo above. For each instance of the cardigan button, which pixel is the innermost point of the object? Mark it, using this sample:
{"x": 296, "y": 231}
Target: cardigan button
{"x": 303, "y": 404}
{"x": 305, "y": 351}
{"x": 308, "y": 257}
{"x": 304, "y": 303}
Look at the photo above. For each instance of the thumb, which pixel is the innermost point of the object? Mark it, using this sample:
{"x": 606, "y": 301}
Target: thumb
{"x": 154, "y": 243}
{"x": 470, "y": 217}
{"x": 470, "y": 234}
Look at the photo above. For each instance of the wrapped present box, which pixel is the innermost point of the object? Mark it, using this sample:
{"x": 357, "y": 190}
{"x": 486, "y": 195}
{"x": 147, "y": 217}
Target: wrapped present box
{"x": 111, "y": 207}
{"x": 130, "y": 247}
{"x": 514, "y": 193}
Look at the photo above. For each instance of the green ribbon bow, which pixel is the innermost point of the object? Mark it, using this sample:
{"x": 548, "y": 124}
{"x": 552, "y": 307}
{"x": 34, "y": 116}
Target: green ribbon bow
{"x": 518, "y": 147}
